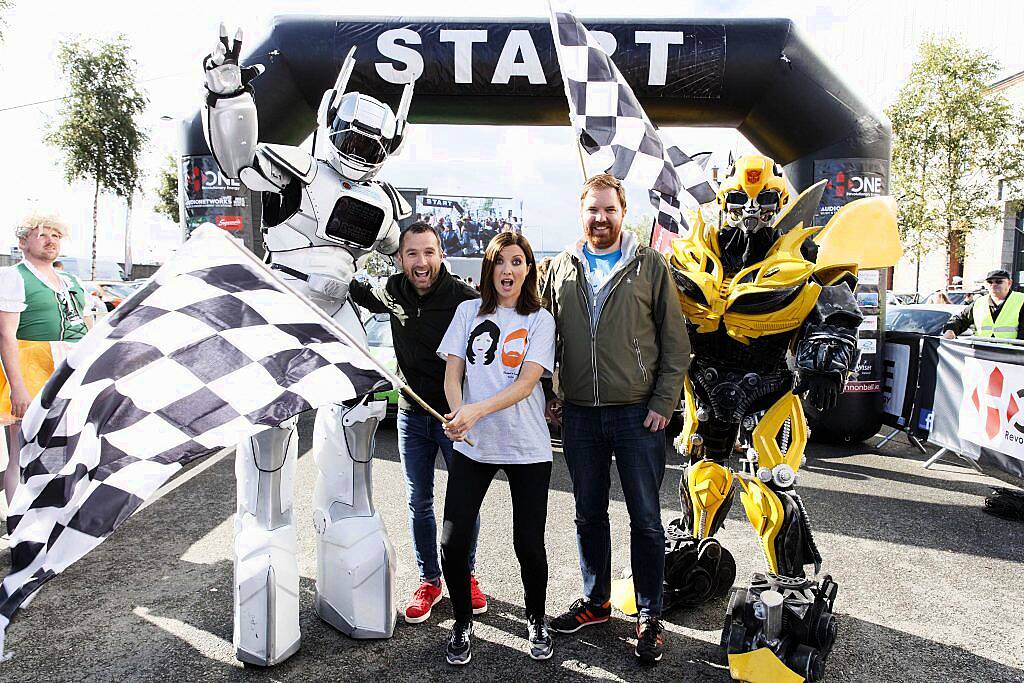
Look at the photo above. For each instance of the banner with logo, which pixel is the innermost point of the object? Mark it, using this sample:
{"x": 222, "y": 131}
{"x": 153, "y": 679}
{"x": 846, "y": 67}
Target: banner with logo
{"x": 979, "y": 403}
{"x": 467, "y": 224}
{"x": 848, "y": 180}
{"x": 212, "y": 197}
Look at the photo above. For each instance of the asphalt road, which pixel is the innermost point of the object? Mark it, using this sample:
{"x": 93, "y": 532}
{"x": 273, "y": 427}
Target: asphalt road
{"x": 929, "y": 587}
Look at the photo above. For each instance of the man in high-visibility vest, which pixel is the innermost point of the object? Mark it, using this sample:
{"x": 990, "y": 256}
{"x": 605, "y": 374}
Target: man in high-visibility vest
{"x": 997, "y": 314}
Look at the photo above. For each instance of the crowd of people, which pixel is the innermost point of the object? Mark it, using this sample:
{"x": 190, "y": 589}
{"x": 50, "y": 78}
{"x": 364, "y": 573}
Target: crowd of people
{"x": 486, "y": 359}
{"x": 469, "y": 235}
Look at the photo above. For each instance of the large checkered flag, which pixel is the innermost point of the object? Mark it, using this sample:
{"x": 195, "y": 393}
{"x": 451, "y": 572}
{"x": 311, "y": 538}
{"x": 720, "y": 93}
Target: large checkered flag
{"x": 611, "y": 124}
{"x": 214, "y": 349}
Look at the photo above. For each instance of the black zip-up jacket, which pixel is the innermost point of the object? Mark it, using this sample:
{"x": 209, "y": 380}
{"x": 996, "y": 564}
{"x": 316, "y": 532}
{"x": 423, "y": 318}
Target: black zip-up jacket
{"x": 418, "y": 324}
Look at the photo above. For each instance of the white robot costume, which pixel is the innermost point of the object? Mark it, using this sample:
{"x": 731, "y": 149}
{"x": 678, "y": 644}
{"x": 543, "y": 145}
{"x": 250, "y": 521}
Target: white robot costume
{"x": 320, "y": 216}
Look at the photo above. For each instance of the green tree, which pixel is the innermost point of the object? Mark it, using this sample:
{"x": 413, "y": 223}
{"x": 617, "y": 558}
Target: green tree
{"x": 97, "y": 131}
{"x": 641, "y": 225}
{"x": 167, "y": 189}
{"x": 953, "y": 142}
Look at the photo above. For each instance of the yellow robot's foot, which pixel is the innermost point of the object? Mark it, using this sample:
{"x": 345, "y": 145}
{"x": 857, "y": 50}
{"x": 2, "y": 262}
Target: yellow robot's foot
{"x": 780, "y": 630}
{"x": 696, "y": 570}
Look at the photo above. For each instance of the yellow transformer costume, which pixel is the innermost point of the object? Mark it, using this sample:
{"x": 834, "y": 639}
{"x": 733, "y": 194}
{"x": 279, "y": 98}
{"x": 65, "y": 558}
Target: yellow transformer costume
{"x": 761, "y": 285}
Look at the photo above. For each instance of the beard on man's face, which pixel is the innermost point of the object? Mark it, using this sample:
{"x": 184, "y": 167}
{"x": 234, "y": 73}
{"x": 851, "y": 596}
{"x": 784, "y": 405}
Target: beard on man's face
{"x": 602, "y": 235}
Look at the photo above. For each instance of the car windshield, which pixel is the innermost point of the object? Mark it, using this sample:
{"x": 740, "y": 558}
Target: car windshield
{"x": 378, "y": 331}
{"x": 914, "y": 319}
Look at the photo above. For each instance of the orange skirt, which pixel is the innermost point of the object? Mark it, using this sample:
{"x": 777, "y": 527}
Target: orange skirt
{"x": 37, "y": 359}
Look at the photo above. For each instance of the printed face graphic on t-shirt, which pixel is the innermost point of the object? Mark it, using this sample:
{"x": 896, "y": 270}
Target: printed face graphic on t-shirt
{"x": 513, "y": 349}
{"x": 483, "y": 343}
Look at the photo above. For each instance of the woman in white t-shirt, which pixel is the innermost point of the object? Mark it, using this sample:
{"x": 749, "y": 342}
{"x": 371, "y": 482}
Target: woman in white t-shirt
{"x": 497, "y": 348}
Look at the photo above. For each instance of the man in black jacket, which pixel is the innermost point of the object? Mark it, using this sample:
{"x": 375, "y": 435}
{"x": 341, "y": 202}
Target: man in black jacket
{"x": 421, "y": 301}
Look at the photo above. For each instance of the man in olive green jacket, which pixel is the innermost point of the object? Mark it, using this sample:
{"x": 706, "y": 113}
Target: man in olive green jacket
{"x": 622, "y": 354}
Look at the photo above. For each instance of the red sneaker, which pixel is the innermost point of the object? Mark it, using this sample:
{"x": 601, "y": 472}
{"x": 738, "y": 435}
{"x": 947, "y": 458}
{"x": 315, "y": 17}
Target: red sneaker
{"x": 476, "y": 596}
{"x": 423, "y": 599}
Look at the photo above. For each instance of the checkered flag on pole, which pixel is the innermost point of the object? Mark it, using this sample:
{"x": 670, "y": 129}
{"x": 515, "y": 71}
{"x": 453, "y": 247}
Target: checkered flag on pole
{"x": 214, "y": 349}
{"x": 611, "y": 123}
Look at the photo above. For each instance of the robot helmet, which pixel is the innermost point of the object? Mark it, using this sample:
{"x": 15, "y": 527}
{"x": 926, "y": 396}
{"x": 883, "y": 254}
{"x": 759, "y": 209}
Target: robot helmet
{"x": 360, "y": 131}
{"x": 753, "y": 193}
{"x": 362, "y": 134}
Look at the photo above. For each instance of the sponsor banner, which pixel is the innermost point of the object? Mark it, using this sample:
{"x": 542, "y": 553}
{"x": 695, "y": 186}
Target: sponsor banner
{"x": 849, "y": 180}
{"x": 979, "y": 403}
{"x": 863, "y": 387}
{"x": 467, "y": 224}
{"x": 866, "y": 377}
{"x": 212, "y": 197}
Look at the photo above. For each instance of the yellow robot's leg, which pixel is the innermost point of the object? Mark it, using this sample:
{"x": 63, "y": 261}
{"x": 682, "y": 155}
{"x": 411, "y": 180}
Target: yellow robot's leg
{"x": 697, "y": 567}
{"x": 780, "y": 628}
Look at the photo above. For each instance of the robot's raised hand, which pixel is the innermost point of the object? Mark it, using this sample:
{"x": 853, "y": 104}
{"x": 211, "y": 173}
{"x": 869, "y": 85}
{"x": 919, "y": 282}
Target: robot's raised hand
{"x": 224, "y": 76}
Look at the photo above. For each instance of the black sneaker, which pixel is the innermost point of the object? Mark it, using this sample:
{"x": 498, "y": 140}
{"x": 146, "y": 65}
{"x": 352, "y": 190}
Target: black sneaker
{"x": 540, "y": 639}
{"x": 650, "y": 643}
{"x": 459, "y": 651}
{"x": 581, "y": 613}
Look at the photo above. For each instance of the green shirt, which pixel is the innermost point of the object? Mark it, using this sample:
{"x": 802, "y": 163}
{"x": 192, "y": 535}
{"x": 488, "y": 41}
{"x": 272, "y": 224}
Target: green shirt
{"x": 51, "y": 315}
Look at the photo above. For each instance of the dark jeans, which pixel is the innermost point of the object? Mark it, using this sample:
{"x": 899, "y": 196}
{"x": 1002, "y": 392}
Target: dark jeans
{"x": 419, "y": 438}
{"x": 467, "y": 483}
{"x": 589, "y": 438}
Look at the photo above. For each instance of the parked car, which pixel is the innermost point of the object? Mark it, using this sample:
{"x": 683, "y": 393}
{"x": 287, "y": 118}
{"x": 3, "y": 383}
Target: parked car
{"x": 382, "y": 347}
{"x": 960, "y": 297}
{"x": 920, "y": 318}
{"x": 112, "y": 292}
{"x": 82, "y": 269}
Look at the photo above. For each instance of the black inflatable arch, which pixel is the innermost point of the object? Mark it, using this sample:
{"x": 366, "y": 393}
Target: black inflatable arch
{"x": 756, "y": 75}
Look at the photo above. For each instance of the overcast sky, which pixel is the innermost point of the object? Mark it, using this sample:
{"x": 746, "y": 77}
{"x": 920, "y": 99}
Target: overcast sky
{"x": 871, "y": 44}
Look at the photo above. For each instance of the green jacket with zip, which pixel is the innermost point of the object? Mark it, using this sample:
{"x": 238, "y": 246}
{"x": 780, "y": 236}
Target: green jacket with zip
{"x": 628, "y": 344}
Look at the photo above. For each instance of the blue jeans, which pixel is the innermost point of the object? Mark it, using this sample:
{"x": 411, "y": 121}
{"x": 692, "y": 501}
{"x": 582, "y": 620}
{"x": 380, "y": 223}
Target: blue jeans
{"x": 419, "y": 438}
{"x": 590, "y": 435}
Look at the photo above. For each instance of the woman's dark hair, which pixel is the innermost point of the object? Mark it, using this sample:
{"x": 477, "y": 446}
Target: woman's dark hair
{"x": 529, "y": 299}
{"x": 485, "y": 327}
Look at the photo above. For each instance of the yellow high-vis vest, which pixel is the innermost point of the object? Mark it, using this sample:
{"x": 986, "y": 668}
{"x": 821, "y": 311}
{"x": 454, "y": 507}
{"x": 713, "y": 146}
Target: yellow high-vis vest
{"x": 1005, "y": 324}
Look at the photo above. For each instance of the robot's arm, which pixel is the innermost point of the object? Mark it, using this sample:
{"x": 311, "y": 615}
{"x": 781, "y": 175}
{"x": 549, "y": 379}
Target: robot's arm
{"x": 827, "y": 351}
{"x": 229, "y": 117}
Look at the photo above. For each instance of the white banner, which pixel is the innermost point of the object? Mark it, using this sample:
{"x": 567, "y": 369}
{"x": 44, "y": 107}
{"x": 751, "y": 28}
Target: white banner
{"x": 991, "y": 412}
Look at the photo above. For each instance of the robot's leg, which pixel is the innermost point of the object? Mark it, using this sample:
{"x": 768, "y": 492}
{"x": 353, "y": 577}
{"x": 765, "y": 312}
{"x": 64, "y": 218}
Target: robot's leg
{"x": 697, "y": 567}
{"x": 266, "y": 592}
{"x": 782, "y": 627}
{"x": 355, "y": 560}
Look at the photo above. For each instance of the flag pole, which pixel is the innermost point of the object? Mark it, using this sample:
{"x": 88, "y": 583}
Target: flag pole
{"x": 333, "y": 325}
{"x": 579, "y": 153}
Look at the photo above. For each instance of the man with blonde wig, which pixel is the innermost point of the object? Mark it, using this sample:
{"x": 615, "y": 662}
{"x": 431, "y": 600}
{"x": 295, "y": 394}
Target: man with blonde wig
{"x": 41, "y": 313}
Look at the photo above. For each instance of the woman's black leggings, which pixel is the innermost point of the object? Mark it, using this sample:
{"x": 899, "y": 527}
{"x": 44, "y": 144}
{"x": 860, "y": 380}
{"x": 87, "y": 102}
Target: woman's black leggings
{"x": 467, "y": 483}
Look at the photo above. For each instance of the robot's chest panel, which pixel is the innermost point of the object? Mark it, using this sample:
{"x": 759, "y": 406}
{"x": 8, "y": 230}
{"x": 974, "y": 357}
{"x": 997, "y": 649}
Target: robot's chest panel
{"x": 355, "y": 221}
{"x": 773, "y": 296}
{"x": 349, "y": 214}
